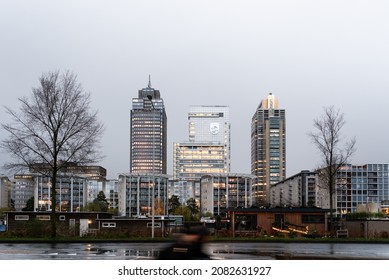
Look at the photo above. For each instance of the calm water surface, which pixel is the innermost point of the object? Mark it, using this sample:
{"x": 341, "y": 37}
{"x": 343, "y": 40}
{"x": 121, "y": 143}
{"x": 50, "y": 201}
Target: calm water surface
{"x": 244, "y": 250}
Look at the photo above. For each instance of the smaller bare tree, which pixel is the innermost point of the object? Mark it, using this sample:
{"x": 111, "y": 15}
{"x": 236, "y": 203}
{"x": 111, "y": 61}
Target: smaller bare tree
{"x": 52, "y": 130}
{"x": 328, "y": 140}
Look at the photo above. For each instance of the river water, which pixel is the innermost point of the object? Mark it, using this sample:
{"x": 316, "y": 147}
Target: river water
{"x": 230, "y": 250}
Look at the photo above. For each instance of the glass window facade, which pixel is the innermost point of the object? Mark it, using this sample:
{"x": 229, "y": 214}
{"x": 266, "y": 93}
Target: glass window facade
{"x": 148, "y": 133}
{"x": 211, "y": 124}
{"x": 361, "y": 184}
{"x": 192, "y": 160}
{"x": 136, "y": 191}
{"x": 222, "y": 191}
{"x": 268, "y": 148}
{"x": 71, "y": 193}
{"x": 22, "y": 189}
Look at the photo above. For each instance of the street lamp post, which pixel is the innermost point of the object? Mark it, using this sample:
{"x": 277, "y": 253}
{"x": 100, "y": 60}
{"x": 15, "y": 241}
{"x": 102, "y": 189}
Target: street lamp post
{"x": 153, "y": 173}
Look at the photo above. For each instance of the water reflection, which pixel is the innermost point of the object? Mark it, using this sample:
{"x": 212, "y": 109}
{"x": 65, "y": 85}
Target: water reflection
{"x": 243, "y": 250}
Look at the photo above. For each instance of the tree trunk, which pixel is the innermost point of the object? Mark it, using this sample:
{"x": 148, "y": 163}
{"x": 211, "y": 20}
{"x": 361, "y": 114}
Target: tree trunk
{"x": 331, "y": 192}
{"x": 53, "y": 203}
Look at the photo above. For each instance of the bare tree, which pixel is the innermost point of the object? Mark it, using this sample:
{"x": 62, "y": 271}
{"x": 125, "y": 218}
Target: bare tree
{"x": 52, "y": 129}
{"x": 328, "y": 140}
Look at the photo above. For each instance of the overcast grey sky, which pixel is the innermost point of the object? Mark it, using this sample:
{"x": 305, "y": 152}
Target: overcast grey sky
{"x": 309, "y": 54}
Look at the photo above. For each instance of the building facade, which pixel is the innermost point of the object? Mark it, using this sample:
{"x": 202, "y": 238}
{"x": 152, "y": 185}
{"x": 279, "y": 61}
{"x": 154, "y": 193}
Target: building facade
{"x": 5, "y": 186}
{"x": 184, "y": 190}
{"x": 76, "y": 186}
{"x": 148, "y": 133}
{"x": 22, "y": 189}
{"x": 208, "y": 149}
{"x": 191, "y": 160}
{"x": 268, "y": 148}
{"x": 69, "y": 223}
{"x": 211, "y": 124}
{"x": 136, "y": 192}
{"x": 361, "y": 184}
{"x": 112, "y": 193}
{"x": 93, "y": 189}
{"x": 222, "y": 191}
{"x": 265, "y": 221}
{"x": 300, "y": 190}
{"x": 357, "y": 187}
{"x": 71, "y": 193}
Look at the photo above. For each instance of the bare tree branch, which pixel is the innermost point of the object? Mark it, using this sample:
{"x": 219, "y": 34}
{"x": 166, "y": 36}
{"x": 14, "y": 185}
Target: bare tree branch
{"x": 328, "y": 139}
{"x": 53, "y": 128}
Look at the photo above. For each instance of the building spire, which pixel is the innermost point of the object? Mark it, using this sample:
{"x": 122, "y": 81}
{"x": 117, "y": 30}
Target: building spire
{"x": 149, "y": 85}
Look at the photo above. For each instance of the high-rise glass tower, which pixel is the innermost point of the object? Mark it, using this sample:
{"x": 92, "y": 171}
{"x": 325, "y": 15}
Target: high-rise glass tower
{"x": 208, "y": 148}
{"x": 211, "y": 124}
{"x": 148, "y": 132}
{"x": 268, "y": 148}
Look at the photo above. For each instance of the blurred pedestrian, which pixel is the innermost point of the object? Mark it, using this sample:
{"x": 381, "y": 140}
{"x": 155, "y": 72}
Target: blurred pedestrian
{"x": 189, "y": 246}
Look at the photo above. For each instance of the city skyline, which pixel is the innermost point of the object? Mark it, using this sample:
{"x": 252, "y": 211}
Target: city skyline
{"x": 309, "y": 55}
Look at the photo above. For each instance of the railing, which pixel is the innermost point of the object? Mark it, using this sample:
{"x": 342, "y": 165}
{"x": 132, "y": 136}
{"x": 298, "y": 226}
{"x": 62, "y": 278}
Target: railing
{"x": 342, "y": 233}
{"x": 247, "y": 233}
{"x": 92, "y": 231}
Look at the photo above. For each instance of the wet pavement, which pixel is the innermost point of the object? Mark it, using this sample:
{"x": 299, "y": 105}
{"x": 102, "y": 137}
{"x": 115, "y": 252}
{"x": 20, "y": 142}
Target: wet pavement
{"x": 219, "y": 250}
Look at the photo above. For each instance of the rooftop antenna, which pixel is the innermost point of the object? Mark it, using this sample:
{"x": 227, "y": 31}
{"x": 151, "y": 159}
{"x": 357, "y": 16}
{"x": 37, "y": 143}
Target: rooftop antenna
{"x": 149, "y": 85}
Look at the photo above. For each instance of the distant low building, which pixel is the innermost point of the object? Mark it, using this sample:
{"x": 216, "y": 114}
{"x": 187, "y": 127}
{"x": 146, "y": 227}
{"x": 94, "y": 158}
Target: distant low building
{"x": 300, "y": 190}
{"x": 136, "y": 191}
{"x": 5, "y": 186}
{"x": 356, "y": 186}
{"x": 367, "y": 228}
{"x": 22, "y": 189}
{"x": 222, "y": 191}
{"x": 361, "y": 184}
{"x": 68, "y": 223}
{"x": 76, "y": 186}
{"x": 112, "y": 193}
{"x": 278, "y": 221}
{"x": 184, "y": 189}
{"x": 134, "y": 227}
{"x": 71, "y": 193}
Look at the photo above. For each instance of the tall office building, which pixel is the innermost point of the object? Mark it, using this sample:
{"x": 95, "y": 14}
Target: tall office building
{"x": 211, "y": 124}
{"x": 208, "y": 149}
{"x": 268, "y": 148}
{"x": 148, "y": 128}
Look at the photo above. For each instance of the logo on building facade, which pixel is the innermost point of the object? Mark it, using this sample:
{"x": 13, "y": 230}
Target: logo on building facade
{"x": 214, "y": 128}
